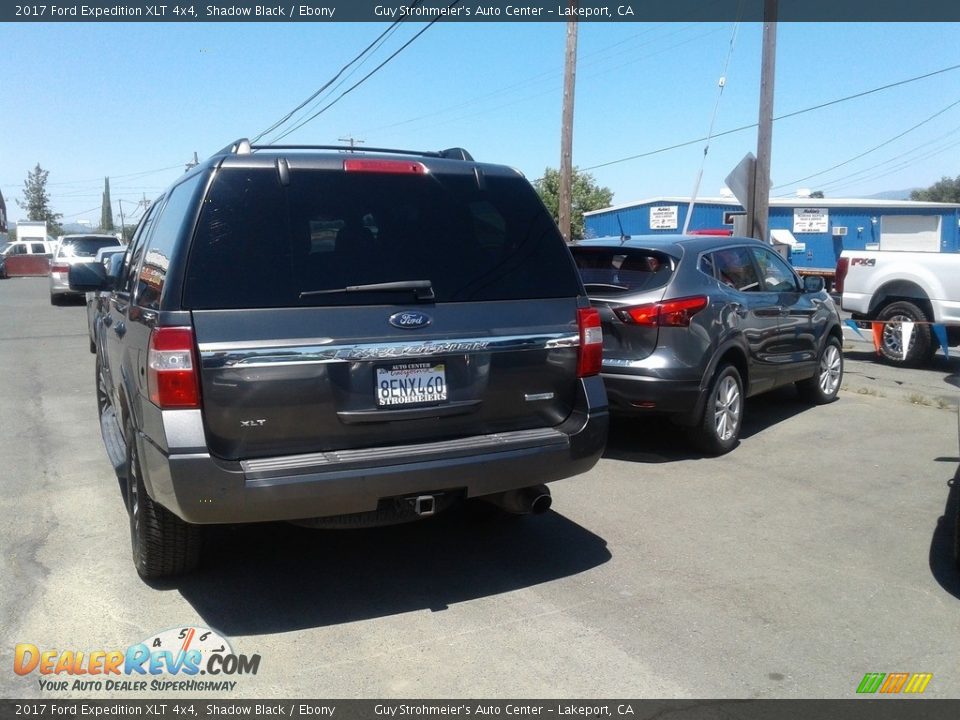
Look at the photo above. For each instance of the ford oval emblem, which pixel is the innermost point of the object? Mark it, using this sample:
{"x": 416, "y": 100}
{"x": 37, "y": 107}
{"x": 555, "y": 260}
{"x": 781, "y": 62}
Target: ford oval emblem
{"x": 410, "y": 320}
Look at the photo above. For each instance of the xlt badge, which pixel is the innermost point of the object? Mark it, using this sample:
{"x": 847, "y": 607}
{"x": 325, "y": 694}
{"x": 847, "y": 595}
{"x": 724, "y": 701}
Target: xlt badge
{"x": 410, "y": 319}
{"x": 253, "y": 423}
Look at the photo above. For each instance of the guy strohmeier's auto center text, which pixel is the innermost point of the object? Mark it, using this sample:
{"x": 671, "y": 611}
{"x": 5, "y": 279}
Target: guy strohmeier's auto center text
{"x": 303, "y": 11}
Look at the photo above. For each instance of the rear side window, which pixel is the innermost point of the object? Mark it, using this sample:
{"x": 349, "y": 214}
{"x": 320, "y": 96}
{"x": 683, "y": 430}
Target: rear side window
{"x": 167, "y": 229}
{"x": 83, "y": 247}
{"x": 614, "y": 271}
{"x": 733, "y": 267}
{"x": 38, "y": 249}
{"x": 260, "y": 244}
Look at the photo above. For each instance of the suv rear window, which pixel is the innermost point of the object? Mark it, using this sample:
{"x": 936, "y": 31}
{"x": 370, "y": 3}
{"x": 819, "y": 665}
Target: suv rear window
{"x": 619, "y": 271}
{"x": 260, "y": 244}
{"x": 84, "y": 246}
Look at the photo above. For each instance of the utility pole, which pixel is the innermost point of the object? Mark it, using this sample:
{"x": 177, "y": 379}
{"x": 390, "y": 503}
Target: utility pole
{"x": 123, "y": 225}
{"x": 566, "y": 131}
{"x": 352, "y": 140}
{"x": 761, "y": 203}
{"x": 193, "y": 163}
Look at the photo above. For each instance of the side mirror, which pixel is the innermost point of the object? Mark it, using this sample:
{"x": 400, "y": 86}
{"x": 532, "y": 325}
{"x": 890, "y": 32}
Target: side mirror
{"x": 813, "y": 284}
{"x": 89, "y": 277}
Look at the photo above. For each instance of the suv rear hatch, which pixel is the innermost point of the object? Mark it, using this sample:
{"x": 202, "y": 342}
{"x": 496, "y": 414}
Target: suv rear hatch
{"x": 625, "y": 284}
{"x": 375, "y": 302}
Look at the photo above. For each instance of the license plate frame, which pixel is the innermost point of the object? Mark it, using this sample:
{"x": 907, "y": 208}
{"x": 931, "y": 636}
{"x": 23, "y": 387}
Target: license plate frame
{"x": 411, "y": 384}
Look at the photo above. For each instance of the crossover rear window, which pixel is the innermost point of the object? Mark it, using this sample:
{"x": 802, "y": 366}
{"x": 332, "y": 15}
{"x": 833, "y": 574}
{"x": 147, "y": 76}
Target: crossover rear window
{"x": 261, "y": 244}
{"x": 84, "y": 246}
{"x": 617, "y": 271}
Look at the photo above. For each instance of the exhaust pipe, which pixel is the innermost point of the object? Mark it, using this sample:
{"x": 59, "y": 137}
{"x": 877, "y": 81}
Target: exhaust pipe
{"x": 533, "y": 500}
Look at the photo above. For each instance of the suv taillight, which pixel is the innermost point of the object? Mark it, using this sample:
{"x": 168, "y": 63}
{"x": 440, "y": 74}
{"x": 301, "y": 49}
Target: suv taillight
{"x": 669, "y": 313}
{"x": 590, "y": 356}
{"x": 390, "y": 167}
{"x": 171, "y": 369}
{"x": 843, "y": 264}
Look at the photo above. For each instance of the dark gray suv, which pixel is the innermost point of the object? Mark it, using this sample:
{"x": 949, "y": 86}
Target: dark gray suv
{"x": 341, "y": 339}
{"x": 693, "y": 325}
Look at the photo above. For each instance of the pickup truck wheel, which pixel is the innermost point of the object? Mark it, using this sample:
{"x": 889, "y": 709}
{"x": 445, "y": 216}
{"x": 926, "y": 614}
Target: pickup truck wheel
{"x": 823, "y": 386}
{"x": 891, "y": 346}
{"x": 719, "y": 428}
{"x": 163, "y": 544}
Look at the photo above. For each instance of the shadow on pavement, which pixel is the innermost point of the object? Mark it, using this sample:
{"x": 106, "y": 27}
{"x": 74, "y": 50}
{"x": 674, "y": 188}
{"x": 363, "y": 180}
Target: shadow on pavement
{"x": 277, "y": 577}
{"x": 943, "y": 562}
{"x": 657, "y": 440}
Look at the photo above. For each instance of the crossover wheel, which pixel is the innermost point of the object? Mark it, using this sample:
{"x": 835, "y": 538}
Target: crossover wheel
{"x": 719, "y": 428}
{"x": 891, "y": 346}
{"x": 162, "y": 544}
{"x": 822, "y": 387}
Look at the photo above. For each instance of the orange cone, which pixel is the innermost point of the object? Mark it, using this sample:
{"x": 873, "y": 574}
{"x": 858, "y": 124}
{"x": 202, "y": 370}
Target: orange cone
{"x": 877, "y": 328}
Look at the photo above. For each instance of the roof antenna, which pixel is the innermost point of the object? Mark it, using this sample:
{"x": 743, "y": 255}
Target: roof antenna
{"x": 623, "y": 236}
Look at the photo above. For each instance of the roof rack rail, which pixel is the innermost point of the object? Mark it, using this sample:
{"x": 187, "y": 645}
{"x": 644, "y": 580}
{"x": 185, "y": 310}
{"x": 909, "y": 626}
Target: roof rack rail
{"x": 238, "y": 147}
{"x": 450, "y": 153}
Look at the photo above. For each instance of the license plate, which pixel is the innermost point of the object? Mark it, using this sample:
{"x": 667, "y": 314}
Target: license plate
{"x": 411, "y": 383}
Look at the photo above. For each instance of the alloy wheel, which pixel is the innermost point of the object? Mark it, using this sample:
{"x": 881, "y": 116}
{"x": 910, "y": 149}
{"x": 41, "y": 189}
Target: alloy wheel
{"x": 727, "y": 403}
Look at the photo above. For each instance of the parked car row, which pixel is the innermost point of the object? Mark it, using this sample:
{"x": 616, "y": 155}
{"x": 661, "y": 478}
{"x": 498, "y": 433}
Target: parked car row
{"x": 344, "y": 340}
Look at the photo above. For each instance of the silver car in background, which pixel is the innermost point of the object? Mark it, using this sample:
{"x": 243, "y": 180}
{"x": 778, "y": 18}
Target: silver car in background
{"x": 70, "y": 250}
{"x": 111, "y": 258}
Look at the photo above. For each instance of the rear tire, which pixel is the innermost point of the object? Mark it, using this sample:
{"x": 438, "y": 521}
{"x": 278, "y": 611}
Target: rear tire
{"x": 823, "y": 386}
{"x": 891, "y": 345}
{"x": 719, "y": 429}
{"x": 163, "y": 545}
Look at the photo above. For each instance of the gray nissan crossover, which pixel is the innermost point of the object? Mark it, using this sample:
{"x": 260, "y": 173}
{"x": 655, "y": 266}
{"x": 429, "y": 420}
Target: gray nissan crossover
{"x": 341, "y": 338}
{"x": 693, "y": 325}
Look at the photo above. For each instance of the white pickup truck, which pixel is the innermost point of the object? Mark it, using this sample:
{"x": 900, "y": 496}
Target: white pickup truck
{"x": 897, "y": 286}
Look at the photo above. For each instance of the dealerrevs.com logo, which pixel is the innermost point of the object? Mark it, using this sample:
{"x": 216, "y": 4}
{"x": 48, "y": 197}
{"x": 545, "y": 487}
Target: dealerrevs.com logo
{"x": 172, "y": 660}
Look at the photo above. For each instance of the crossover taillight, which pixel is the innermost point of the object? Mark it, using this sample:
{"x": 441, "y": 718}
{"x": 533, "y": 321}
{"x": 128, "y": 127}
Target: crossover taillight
{"x": 669, "y": 313}
{"x": 590, "y": 356}
{"x": 843, "y": 264}
{"x": 172, "y": 373}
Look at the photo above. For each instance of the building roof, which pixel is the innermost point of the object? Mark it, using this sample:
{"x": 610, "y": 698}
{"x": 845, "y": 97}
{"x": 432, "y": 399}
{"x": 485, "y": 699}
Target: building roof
{"x": 785, "y": 202}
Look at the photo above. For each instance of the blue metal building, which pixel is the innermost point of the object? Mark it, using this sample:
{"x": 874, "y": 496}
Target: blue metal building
{"x": 814, "y": 230}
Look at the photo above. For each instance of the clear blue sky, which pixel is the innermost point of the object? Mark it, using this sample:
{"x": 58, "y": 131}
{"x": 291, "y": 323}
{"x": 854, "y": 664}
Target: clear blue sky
{"x": 92, "y": 100}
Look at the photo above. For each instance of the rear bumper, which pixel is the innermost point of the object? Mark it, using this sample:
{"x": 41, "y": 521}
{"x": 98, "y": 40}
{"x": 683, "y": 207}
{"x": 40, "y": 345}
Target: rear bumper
{"x": 647, "y": 395}
{"x": 60, "y": 285}
{"x": 202, "y": 489}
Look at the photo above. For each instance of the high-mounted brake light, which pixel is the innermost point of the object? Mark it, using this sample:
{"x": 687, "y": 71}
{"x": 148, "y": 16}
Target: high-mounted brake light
{"x": 590, "y": 355}
{"x": 390, "y": 167}
{"x": 843, "y": 265}
{"x": 670, "y": 313}
{"x": 171, "y": 369}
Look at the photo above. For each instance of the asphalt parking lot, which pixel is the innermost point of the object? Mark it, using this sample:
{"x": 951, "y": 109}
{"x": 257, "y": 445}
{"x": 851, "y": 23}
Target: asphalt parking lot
{"x": 815, "y": 552}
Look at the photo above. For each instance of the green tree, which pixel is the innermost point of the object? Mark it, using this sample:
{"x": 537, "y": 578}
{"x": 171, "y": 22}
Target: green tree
{"x": 817, "y": 194}
{"x": 106, "y": 210}
{"x": 944, "y": 190}
{"x": 585, "y": 195}
{"x": 36, "y": 200}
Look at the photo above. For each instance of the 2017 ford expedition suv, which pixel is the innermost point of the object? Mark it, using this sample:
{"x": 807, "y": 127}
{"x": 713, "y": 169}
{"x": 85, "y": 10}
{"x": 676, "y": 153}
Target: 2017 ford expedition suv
{"x": 341, "y": 338}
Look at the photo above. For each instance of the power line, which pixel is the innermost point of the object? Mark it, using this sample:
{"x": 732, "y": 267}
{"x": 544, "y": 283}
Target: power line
{"x": 780, "y": 117}
{"x": 873, "y": 149}
{"x": 365, "y": 77}
{"x": 332, "y": 80}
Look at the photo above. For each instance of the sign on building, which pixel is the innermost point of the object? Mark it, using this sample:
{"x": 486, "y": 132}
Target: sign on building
{"x": 663, "y": 217}
{"x": 811, "y": 220}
